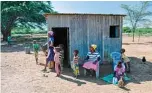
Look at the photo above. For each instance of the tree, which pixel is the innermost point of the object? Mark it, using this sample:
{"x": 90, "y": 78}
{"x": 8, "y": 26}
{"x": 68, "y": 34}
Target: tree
{"x": 23, "y": 13}
{"x": 137, "y": 14}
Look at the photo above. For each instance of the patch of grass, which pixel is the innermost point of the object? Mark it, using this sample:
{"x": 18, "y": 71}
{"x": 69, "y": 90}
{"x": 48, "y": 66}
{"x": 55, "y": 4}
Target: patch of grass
{"x": 139, "y": 31}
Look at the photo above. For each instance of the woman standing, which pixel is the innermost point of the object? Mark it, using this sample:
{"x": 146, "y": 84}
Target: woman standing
{"x": 50, "y": 56}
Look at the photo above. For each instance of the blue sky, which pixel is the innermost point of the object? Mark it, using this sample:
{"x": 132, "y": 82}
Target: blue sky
{"x": 109, "y": 7}
{"x": 103, "y": 7}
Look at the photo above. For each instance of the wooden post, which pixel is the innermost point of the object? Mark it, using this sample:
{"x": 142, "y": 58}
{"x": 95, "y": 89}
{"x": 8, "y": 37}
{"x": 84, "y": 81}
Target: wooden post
{"x": 98, "y": 68}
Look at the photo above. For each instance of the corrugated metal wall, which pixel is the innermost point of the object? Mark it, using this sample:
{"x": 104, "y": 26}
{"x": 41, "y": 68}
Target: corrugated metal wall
{"x": 85, "y": 30}
{"x": 112, "y": 44}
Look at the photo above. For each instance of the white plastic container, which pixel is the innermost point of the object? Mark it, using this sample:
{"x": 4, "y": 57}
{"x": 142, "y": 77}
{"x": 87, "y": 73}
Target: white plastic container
{"x": 27, "y": 50}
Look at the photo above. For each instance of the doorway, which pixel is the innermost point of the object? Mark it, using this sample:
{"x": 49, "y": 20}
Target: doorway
{"x": 61, "y": 36}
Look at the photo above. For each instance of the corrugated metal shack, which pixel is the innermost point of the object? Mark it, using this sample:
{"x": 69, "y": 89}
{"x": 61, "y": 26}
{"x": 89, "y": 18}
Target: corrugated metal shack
{"x": 79, "y": 31}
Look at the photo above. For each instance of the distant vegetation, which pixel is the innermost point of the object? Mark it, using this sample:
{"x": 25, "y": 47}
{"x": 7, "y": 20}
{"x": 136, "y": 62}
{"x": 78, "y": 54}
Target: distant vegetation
{"x": 141, "y": 31}
{"x": 23, "y": 30}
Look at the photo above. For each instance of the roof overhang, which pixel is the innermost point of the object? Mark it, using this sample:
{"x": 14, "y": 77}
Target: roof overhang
{"x": 47, "y": 14}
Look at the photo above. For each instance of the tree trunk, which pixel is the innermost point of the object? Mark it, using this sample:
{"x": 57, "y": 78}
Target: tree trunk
{"x": 5, "y": 37}
{"x": 6, "y": 34}
{"x": 133, "y": 32}
{"x": 7, "y": 31}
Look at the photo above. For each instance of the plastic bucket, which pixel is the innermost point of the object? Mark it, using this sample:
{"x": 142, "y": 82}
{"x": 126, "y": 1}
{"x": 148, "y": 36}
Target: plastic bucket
{"x": 27, "y": 50}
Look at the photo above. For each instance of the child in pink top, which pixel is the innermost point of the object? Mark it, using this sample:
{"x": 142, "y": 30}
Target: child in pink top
{"x": 57, "y": 61}
{"x": 119, "y": 71}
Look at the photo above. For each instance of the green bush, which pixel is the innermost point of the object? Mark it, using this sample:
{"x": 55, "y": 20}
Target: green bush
{"x": 126, "y": 30}
{"x": 141, "y": 31}
{"x": 144, "y": 30}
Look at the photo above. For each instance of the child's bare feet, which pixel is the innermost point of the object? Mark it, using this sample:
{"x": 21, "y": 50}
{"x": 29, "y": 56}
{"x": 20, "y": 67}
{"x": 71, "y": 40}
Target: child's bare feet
{"x": 76, "y": 76}
{"x": 50, "y": 70}
{"x": 44, "y": 70}
{"x": 45, "y": 75}
{"x": 57, "y": 75}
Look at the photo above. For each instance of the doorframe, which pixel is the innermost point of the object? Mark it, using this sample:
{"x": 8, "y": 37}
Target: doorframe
{"x": 68, "y": 43}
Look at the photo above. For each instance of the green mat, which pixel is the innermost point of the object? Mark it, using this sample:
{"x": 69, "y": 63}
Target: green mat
{"x": 109, "y": 78}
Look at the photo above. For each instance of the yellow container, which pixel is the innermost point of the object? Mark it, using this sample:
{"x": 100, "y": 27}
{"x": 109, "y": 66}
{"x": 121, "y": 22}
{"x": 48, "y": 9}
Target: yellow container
{"x": 51, "y": 65}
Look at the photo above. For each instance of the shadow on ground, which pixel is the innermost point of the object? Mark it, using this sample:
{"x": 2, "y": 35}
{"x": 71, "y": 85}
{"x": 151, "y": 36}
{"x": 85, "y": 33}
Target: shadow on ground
{"x": 140, "y": 72}
{"x": 78, "y": 82}
{"x": 68, "y": 72}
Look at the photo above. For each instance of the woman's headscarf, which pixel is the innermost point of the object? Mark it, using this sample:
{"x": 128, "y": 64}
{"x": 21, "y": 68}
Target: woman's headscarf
{"x": 94, "y": 46}
{"x": 51, "y": 33}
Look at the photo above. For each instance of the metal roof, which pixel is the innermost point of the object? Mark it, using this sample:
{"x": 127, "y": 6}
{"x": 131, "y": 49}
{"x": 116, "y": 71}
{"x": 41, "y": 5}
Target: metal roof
{"x": 46, "y": 14}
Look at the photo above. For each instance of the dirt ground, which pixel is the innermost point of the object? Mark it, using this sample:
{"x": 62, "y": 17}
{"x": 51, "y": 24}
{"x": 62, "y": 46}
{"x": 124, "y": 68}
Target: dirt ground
{"x": 20, "y": 74}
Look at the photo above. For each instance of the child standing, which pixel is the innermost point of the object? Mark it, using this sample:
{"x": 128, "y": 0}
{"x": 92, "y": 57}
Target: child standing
{"x": 9, "y": 40}
{"x": 36, "y": 49}
{"x": 57, "y": 61}
{"x": 126, "y": 60}
{"x": 61, "y": 56}
{"x": 75, "y": 63}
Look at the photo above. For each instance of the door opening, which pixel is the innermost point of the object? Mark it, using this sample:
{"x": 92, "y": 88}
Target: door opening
{"x": 61, "y": 36}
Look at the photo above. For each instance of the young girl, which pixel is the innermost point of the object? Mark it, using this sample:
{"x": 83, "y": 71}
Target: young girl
{"x": 126, "y": 60}
{"x": 75, "y": 63}
{"x": 57, "y": 61}
{"x": 119, "y": 72}
{"x": 36, "y": 49}
{"x": 61, "y": 56}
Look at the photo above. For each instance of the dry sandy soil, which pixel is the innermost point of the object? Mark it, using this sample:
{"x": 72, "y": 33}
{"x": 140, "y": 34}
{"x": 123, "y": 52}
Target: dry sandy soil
{"x": 20, "y": 74}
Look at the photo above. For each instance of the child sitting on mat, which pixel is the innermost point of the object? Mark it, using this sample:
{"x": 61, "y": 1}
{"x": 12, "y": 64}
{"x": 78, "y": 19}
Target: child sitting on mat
{"x": 119, "y": 72}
